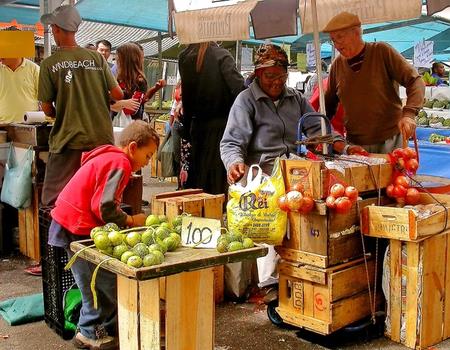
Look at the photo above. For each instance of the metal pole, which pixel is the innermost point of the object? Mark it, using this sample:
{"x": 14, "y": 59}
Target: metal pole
{"x": 44, "y": 6}
{"x": 160, "y": 73}
{"x": 319, "y": 71}
{"x": 238, "y": 55}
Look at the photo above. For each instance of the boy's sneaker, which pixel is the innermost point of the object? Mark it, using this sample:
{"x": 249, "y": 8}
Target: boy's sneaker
{"x": 105, "y": 343}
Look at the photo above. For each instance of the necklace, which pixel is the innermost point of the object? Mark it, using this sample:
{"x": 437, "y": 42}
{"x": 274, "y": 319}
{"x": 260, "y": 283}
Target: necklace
{"x": 67, "y": 46}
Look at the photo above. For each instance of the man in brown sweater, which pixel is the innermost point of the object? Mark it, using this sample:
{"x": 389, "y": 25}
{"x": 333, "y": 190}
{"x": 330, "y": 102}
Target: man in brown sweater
{"x": 365, "y": 78}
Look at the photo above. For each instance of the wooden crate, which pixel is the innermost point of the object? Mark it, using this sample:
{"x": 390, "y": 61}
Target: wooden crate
{"x": 315, "y": 177}
{"x": 427, "y": 272}
{"x": 29, "y": 227}
{"x": 324, "y": 300}
{"x": 404, "y": 224}
{"x": 197, "y": 203}
{"x": 323, "y": 238}
{"x": 194, "y": 202}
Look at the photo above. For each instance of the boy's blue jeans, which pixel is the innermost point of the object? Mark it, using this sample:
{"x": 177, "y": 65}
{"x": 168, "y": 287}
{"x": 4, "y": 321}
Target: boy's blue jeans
{"x": 105, "y": 316}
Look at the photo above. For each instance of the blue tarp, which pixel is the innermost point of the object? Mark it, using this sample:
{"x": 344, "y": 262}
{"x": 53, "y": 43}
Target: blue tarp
{"x": 434, "y": 159}
{"x": 423, "y": 134}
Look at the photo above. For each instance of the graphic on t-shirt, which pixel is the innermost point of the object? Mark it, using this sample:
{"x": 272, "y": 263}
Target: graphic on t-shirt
{"x": 68, "y": 78}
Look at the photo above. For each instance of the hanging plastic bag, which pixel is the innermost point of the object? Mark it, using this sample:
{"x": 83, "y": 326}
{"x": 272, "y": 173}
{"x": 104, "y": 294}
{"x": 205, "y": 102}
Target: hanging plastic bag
{"x": 122, "y": 120}
{"x": 17, "y": 184}
{"x": 166, "y": 156}
{"x": 253, "y": 210}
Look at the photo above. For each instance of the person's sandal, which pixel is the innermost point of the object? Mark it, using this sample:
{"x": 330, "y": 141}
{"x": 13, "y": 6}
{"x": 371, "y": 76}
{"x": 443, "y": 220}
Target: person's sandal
{"x": 35, "y": 270}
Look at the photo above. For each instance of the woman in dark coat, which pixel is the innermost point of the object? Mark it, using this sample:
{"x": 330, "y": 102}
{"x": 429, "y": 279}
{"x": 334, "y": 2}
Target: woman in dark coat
{"x": 210, "y": 83}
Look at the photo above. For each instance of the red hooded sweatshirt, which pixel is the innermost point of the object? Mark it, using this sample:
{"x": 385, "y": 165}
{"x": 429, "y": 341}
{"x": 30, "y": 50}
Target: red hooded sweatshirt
{"x": 93, "y": 195}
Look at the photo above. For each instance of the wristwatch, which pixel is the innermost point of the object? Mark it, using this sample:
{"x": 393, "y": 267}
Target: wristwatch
{"x": 345, "y": 150}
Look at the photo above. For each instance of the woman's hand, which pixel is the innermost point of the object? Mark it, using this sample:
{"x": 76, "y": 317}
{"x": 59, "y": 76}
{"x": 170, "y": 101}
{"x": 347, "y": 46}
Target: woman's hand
{"x": 130, "y": 104}
{"x": 160, "y": 83}
{"x": 235, "y": 172}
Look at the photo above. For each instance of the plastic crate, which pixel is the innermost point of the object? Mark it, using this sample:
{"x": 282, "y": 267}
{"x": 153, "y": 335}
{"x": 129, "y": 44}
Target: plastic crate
{"x": 55, "y": 280}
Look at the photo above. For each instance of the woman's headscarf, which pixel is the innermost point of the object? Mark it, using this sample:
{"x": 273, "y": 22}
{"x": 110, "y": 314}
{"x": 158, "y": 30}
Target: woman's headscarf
{"x": 270, "y": 55}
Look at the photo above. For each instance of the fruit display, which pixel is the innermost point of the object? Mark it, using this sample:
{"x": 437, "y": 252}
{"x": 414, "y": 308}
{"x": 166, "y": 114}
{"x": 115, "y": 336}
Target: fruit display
{"x": 341, "y": 198}
{"x": 296, "y": 200}
{"x": 406, "y": 165}
{"x": 141, "y": 246}
{"x": 436, "y": 138}
{"x": 436, "y": 114}
{"x": 164, "y": 104}
{"x": 231, "y": 242}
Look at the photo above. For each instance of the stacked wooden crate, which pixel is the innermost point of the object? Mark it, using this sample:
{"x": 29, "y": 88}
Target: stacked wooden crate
{"x": 418, "y": 268}
{"x": 323, "y": 278}
{"x": 196, "y": 203}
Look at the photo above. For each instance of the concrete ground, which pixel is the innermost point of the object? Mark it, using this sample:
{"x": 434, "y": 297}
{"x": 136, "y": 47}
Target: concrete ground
{"x": 239, "y": 326}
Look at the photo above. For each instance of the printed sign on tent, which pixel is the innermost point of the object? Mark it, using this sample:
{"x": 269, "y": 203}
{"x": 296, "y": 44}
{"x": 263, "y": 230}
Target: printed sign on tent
{"x": 423, "y": 54}
{"x": 310, "y": 55}
{"x": 247, "y": 58}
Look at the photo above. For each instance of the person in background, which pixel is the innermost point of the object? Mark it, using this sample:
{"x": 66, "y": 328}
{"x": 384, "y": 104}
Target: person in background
{"x": 90, "y": 46}
{"x": 75, "y": 88}
{"x": 312, "y": 81}
{"x": 438, "y": 72}
{"x": 365, "y": 78}
{"x": 104, "y": 48}
{"x": 19, "y": 80}
{"x": 210, "y": 83}
{"x": 131, "y": 78}
{"x": 92, "y": 198}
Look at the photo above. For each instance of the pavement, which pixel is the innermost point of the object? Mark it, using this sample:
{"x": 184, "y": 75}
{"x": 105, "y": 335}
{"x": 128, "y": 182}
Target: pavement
{"x": 239, "y": 326}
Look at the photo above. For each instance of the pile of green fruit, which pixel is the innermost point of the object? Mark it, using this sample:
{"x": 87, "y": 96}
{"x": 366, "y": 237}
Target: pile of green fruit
{"x": 435, "y": 103}
{"x": 231, "y": 242}
{"x": 143, "y": 246}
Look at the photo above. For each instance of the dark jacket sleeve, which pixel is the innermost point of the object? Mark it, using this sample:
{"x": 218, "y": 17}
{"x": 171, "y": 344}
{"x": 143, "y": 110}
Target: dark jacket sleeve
{"x": 331, "y": 97}
{"x": 231, "y": 75}
{"x": 110, "y": 200}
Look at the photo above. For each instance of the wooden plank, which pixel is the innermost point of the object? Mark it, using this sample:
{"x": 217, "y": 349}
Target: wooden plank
{"x": 351, "y": 281}
{"x": 193, "y": 206}
{"x": 177, "y": 193}
{"x": 22, "y": 231}
{"x": 172, "y": 209}
{"x": 344, "y": 248}
{"x": 447, "y": 290}
{"x": 30, "y": 233}
{"x": 219, "y": 284}
{"x": 284, "y": 293}
{"x": 292, "y": 239}
{"x": 304, "y": 272}
{"x": 314, "y": 234}
{"x": 433, "y": 290}
{"x": 308, "y": 299}
{"x": 158, "y": 207}
{"x": 304, "y": 321}
{"x": 213, "y": 207}
{"x": 128, "y": 313}
{"x": 395, "y": 295}
{"x": 302, "y": 257}
{"x": 349, "y": 310}
{"x": 321, "y": 300}
{"x": 190, "y": 310}
{"x": 182, "y": 259}
{"x": 149, "y": 320}
{"x": 412, "y": 293}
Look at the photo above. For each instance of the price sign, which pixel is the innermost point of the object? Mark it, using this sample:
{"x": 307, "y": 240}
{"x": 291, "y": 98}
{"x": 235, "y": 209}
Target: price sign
{"x": 423, "y": 54}
{"x": 199, "y": 232}
{"x": 310, "y": 55}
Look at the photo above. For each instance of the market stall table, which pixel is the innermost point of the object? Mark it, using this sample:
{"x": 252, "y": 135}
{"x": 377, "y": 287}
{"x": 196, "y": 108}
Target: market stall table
{"x": 189, "y": 322}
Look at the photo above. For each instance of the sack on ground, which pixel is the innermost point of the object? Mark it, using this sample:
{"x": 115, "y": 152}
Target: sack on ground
{"x": 253, "y": 210}
{"x": 17, "y": 183}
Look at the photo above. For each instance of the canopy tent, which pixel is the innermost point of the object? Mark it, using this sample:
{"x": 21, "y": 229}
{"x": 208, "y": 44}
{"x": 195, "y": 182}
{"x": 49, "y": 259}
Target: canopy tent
{"x": 402, "y": 35}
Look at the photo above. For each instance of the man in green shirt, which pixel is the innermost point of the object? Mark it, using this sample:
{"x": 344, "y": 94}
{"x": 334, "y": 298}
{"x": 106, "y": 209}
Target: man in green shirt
{"x": 75, "y": 87}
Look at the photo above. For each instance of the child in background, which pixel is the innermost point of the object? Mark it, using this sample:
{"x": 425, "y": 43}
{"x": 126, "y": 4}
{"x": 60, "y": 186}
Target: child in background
{"x": 92, "y": 198}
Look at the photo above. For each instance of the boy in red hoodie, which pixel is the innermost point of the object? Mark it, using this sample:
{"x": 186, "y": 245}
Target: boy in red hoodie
{"x": 92, "y": 198}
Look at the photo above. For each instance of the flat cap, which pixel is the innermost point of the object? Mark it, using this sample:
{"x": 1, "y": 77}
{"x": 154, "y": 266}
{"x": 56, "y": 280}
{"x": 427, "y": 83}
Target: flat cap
{"x": 342, "y": 21}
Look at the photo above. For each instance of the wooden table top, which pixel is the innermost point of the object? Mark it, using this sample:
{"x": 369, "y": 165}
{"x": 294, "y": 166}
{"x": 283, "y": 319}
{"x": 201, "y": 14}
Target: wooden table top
{"x": 182, "y": 260}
